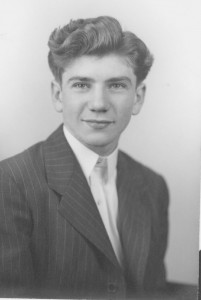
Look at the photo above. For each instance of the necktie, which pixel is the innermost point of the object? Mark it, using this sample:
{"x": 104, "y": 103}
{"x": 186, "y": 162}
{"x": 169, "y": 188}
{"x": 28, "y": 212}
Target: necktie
{"x": 101, "y": 170}
{"x": 100, "y": 190}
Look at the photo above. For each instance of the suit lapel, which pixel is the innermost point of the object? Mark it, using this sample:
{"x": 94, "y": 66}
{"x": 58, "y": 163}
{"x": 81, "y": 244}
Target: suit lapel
{"x": 134, "y": 219}
{"x": 77, "y": 205}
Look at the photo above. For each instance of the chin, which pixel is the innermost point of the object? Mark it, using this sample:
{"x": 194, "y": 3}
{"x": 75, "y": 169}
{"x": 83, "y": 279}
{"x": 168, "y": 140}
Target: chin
{"x": 101, "y": 146}
{"x": 97, "y": 143}
{"x": 99, "y": 139}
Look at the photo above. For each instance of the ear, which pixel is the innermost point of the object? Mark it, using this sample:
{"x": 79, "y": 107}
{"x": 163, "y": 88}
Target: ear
{"x": 56, "y": 96}
{"x": 139, "y": 98}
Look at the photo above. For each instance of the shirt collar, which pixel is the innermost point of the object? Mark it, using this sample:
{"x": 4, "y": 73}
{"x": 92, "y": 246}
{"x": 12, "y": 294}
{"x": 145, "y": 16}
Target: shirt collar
{"x": 88, "y": 158}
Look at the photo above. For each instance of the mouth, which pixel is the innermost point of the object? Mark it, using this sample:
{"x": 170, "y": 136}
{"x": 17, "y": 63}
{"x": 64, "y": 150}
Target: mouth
{"x": 98, "y": 124}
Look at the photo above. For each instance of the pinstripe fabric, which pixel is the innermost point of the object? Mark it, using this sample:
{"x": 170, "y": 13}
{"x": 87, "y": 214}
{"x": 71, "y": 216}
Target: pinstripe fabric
{"x": 52, "y": 239}
{"x": 143, "y": 224}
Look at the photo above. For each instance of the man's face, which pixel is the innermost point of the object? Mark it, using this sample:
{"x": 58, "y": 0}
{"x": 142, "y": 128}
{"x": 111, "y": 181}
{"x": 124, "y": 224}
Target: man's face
{"x": 97, "y": 97}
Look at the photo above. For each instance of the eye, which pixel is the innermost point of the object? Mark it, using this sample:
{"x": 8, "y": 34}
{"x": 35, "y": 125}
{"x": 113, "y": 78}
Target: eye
{"x": 118, "y": 86}
{"x": 81, "y": 85}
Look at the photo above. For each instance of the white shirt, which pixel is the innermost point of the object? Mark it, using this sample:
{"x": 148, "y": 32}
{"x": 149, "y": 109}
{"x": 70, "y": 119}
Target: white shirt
{"x": 108, "y": 209}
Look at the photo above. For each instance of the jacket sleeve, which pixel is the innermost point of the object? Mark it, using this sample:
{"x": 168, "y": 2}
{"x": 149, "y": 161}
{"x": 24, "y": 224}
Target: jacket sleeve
{"x": 156, "y": 272}
{"x": 16, "y": 271}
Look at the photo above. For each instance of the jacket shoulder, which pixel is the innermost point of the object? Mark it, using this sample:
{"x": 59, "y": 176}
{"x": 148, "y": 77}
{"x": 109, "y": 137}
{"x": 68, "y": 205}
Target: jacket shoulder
{"x": 152, "y": 180}
{"x": 28, "y": 167}
{"x": 31, "y": 156}
{"x": 20, "y": 166}
{"x": 135, "y": 166}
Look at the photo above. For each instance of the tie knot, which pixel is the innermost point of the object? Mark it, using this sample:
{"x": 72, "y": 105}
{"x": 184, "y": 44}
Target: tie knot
{"x": 101, "y": 168}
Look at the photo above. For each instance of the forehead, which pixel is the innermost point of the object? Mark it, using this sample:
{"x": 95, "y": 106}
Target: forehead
{"x": 99, "y": 68}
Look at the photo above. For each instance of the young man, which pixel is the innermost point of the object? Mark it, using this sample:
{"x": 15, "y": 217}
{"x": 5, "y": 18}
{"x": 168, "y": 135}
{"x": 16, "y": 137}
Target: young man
{"x": 80, "y": 218}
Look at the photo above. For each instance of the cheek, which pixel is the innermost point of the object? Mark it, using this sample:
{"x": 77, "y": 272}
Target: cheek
{"x": 72, "y": 108}
{"x": 124, "y": 118}
{"x": 126, "y": 108}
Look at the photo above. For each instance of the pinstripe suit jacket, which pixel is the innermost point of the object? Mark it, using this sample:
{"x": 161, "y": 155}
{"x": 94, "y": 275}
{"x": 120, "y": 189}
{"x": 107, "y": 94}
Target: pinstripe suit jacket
{"x": 53, "y": 241}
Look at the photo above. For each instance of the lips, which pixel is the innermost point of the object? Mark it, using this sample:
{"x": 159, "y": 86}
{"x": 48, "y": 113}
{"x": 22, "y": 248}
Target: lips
{"x": 98, "y": 124}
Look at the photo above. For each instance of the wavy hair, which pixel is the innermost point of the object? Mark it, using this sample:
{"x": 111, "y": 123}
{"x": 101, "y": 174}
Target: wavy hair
{"x": 97, "y": 36}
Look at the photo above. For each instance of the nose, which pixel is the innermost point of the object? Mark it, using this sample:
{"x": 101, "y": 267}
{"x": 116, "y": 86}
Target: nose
{"x": 99, "y": 101}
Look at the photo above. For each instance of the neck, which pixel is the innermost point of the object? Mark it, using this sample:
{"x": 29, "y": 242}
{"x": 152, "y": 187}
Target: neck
{"x": 101, "y": 150}
{"x": 104, "y": 150}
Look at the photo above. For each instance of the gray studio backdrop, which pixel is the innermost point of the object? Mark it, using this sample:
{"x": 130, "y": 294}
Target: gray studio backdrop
{"x": 166, "y": 134}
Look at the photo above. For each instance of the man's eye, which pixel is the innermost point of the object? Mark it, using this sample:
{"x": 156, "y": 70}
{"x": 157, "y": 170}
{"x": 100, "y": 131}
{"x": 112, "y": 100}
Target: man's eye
{"x": 81, "y": 85}
{"x": 118, "y": 86}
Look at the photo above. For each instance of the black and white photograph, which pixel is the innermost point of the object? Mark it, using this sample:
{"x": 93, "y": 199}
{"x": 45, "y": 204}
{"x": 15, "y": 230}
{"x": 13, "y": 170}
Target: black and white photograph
{"x": 100, "y": 139}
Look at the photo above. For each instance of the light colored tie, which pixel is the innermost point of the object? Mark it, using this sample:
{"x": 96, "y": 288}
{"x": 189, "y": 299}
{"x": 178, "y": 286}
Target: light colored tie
{"x": 101, "y": 169}
{"x": 99, "y": 188}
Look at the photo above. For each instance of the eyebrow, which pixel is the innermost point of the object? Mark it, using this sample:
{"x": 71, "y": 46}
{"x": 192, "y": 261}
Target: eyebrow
{"x": 80, "y": 78}
{"x": 117, "y": 79}
{"x": 110, "y": 80}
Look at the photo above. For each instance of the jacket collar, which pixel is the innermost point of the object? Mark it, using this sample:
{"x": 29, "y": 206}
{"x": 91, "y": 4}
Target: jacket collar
{"x": 77, "y": 206}
{"x": 134, "y": 223}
